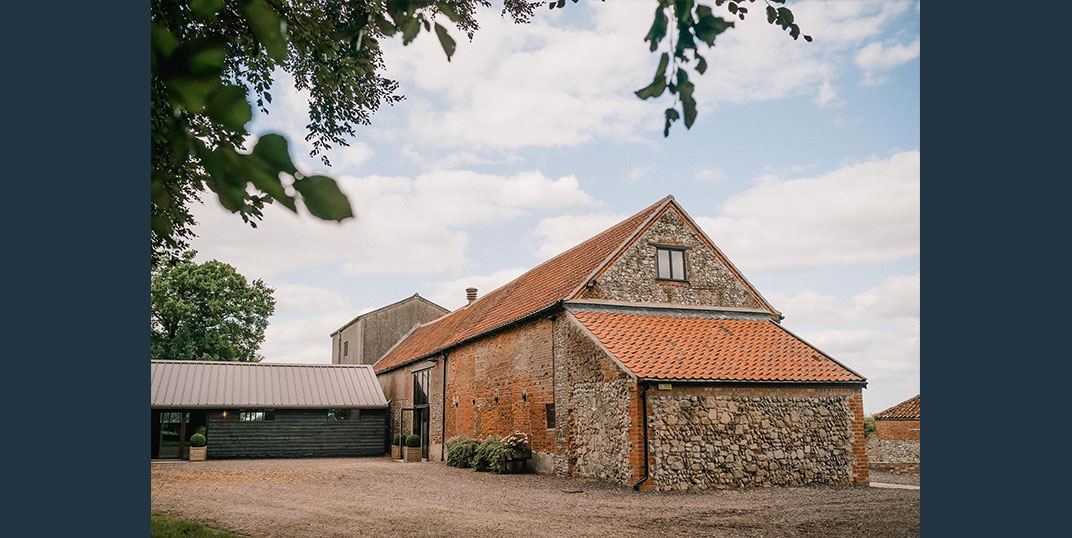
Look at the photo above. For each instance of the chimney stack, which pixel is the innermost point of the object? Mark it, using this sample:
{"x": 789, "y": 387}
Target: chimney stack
{"x": 470, "y": 293}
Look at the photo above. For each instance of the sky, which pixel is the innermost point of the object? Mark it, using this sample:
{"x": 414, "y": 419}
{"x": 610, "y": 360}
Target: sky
{"x": 803, "y": 166}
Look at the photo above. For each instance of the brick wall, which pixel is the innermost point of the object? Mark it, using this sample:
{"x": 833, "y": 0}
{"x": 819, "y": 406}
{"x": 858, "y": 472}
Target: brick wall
{"x": 904, "y": 430}
{"x": 502, "y": 383}
{"x": 704, "y": 436}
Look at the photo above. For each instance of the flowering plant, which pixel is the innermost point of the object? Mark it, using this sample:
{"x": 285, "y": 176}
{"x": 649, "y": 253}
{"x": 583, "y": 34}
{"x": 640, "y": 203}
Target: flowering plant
{"x": 517, "y": 441}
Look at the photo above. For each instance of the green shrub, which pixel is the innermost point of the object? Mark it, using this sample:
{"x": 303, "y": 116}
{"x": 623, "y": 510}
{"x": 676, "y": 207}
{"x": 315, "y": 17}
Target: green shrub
{"x": 201, "y": 430}
{"x": 460, "y": 451}
{"x": 869, "y": 425}
{"x": 197, "y": 439}
{"x": 413, "y": 441}
{"x": 397, "y": 440}
{"x": 490, "y": 455}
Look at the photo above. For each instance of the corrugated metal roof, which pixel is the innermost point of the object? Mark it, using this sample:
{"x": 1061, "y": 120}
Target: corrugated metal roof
{"x": 208, "y": 384}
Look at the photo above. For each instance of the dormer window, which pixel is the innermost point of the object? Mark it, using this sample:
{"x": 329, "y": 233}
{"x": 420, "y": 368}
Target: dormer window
{"x": 671, "y": 262}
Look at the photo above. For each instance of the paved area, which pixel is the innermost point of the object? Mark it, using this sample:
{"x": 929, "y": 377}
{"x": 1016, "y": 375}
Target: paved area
{"x": 380, "y": 497}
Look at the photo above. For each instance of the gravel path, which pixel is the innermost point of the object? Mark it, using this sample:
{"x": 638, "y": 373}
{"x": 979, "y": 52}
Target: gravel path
{"x": 379, "y": 497}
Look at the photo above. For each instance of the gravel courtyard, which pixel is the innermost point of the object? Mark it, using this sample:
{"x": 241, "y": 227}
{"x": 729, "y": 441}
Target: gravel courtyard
{"x": 379, "y": 497}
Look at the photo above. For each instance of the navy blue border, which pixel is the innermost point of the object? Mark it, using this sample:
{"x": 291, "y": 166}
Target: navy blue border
{"x": 994, "y": 227}
{"x": 76, "y": 234}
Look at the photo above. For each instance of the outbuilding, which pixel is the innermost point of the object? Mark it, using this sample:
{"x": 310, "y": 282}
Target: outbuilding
{"x": 259, "y": 410}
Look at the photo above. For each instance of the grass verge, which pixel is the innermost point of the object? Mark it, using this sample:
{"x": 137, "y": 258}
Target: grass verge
{"x": 166, "y": 527}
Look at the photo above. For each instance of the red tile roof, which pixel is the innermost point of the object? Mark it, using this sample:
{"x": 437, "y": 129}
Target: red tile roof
{"x": 543, "y": 286}
{"x": 906, "y": 410}
{"x": 659, "y": 346}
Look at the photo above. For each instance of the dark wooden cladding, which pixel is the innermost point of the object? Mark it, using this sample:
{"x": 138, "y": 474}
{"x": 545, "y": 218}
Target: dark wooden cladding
{"x": 296, "y": 433}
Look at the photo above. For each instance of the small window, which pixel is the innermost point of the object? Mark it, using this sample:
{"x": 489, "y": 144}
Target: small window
{"x": 256, "y": 416}
{"x": 343, "y": 414}
{"x": 550, "y": 408}
{"x": 345, "y": 348}
{"x": 671, "y": 263}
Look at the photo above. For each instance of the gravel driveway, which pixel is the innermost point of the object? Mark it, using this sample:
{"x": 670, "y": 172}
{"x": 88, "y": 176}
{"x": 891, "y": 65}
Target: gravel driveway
{"x": 380, "y": 497}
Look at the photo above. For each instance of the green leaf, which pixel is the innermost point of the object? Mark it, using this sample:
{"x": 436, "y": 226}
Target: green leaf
{"x": 323, "y": 198}
{"x": 561, "y": 4}
{"x": 701, "y": 64}
{"x": 807, "y": 38}
{"x": 658, "y": 29}
{"x": 163, "y": 41}
{"x": 684, "y": 41}
{"x": 268, "y": 28}
{"x": 445, "y": 40}
{"x": 772, "y": 15}
{"x": 709, "y": 26}
{"x": 671, "y": 116}
{"x": 229, "y": 107}
{"x": 273, "y": 150}
{"x": 448, "y": 10}
{"x": 383, "y": 25}
{"x": 410, "y": 28}
{"x": 206, "y": 9}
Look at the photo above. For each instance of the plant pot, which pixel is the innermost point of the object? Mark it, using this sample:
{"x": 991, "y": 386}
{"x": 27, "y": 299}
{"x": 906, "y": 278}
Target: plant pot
{"x": 198, "y": 453}
{"x": 514, "y": 461}
{"x": 396, "y": 452}
{"x": 412, "y": 454}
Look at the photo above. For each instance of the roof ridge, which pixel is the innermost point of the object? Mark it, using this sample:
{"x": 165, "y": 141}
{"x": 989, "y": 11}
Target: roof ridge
{"x": 396, "y": 303}
{"x": 244, "y": 363}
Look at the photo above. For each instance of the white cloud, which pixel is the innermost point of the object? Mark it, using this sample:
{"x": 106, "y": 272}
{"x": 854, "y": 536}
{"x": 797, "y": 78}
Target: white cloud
{"x": 549, "y": 84}
{"x": 306, "y": 340}
{"x": 896, "y": 297}
{"x": 290, "y": 298}
{"x": 861, "y": 213}
{"x": 876, "y": 58}
{"x": 451, "y": 294}
{"x": 826, "y": 95}
{"x": 427, "y": 216}
{"x": 558, "y": 234}
{"x": 710, "y": 174}
{"x": 639, "y": 172}
{"x": 532, "y": 85}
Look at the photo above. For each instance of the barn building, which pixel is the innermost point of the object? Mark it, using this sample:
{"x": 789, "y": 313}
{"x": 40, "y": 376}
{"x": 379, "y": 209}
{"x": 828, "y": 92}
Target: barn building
{"x": 641, "y": 356}
{"x": 259, "y": 410}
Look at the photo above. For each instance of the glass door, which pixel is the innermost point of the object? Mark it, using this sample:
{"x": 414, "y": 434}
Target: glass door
{"x": 171, "y": 434}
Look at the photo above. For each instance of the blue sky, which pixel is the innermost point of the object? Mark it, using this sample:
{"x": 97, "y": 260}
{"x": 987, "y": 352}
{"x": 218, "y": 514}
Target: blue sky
{"x": 803, "y": 166}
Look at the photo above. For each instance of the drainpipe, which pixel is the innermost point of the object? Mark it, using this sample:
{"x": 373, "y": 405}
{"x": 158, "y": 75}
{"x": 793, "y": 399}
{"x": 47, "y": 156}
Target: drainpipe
{"x": 443, "y": 427}
{"x": 644, "y": 426}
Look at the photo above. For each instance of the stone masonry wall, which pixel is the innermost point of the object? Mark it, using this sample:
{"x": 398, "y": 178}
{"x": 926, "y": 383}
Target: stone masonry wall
{"x": 719, "y": 437}
{"x": 710, "y": 282}
{"x": 597, "y": 402}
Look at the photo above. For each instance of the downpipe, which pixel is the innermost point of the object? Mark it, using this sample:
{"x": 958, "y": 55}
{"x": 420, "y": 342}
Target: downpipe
{"x": 644, "y": 427}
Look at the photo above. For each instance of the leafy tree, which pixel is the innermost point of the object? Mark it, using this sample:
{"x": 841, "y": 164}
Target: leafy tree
{"x": 207, "y": 311}
{"x": 212, "y": 58}
{"x": 869, "y": 425}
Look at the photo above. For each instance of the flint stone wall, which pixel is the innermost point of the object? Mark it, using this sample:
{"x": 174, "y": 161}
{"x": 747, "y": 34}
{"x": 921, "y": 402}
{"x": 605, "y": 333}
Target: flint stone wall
{"x": 710, "y": 282}
{"x": 701, "y": 442}
{"x": 892, "y": 451}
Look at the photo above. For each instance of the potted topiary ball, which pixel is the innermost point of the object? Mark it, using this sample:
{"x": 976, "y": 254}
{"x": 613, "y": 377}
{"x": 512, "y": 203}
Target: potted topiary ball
{"x": 396, "y": 447}
{"x": 412, "y": 450}
{"x": 198, "y": 450}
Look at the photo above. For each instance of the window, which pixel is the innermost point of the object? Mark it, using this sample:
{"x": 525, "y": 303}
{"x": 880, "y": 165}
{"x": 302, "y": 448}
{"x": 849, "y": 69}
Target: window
{"x": 420, "y": 387}
{"x": 550, "y": 409}
{"x": 345, "y": 348}
{"x": 256, "y": 416}
{"x": 343, "y": 414}
{"x": 671, "y": 263}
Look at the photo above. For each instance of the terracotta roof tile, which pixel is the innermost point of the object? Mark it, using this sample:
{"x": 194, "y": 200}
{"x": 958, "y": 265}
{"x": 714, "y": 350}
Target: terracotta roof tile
{"x": 908, "y": 409}
{"x": 539, "y": 288}
{"x": 703, "y": 348}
